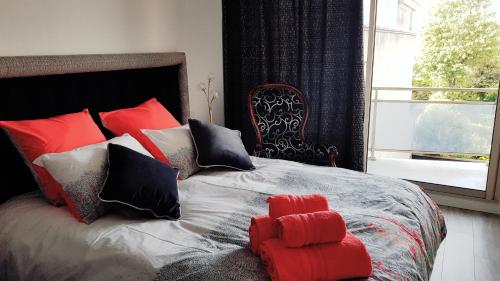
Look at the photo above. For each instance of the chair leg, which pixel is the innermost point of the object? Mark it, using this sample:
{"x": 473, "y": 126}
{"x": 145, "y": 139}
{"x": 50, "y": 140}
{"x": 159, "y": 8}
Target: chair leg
{"x": 333, "y": 154}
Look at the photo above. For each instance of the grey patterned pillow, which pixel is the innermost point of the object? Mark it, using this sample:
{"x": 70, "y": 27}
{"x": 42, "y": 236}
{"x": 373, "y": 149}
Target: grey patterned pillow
{"x": 177, "y": 145}
{"x": 82, "y": 173}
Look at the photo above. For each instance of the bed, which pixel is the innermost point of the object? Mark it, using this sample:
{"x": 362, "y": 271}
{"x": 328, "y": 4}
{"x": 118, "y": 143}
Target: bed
{"x": 400, "y": 225}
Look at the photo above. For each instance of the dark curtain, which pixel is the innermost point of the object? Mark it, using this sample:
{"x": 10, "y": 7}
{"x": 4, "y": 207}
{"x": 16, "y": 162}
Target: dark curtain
{"x": 316, "y": 45}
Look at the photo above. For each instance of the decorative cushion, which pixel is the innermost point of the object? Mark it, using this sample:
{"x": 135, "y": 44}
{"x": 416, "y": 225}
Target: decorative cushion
{"x": 142, "y": 183}
{"x": 217, "y": 146}
{"x": 177, "y": 145}
{"x": 82, "y": 173}
{"x": 33, "y": 138}
{"x": 148, "y": 115}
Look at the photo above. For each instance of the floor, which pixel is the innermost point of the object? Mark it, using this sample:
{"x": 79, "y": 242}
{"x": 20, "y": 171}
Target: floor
{"x": 470, "y": 175}
{"x": 471, "y": 251}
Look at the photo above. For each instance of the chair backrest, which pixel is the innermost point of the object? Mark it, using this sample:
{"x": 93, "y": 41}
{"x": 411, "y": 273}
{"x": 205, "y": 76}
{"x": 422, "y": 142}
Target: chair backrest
{"x": 277, "y": 112}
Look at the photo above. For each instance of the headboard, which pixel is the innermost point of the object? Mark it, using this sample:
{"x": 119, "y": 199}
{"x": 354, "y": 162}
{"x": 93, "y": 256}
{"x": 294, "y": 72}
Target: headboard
{"x": 45, "y": 86}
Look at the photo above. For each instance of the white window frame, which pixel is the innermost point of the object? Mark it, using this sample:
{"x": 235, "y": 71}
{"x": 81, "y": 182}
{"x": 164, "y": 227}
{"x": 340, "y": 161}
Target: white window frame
{"x": 492, "y": 185}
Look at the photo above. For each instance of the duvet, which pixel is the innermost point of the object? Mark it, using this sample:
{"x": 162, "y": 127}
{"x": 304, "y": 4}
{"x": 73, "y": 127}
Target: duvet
{"x": 400, "y": 225}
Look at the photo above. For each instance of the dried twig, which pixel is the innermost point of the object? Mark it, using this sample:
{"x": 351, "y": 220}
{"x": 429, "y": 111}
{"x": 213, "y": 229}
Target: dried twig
{"x": 209, "y": 96}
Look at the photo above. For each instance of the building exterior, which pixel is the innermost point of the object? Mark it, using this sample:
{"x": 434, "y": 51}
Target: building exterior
{"x": 396, "y": 46}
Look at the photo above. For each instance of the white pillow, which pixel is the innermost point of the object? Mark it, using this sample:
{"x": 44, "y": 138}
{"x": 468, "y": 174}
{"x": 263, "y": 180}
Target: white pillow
{"x": 177, "y": 145}
{"x": 82, "y": 173}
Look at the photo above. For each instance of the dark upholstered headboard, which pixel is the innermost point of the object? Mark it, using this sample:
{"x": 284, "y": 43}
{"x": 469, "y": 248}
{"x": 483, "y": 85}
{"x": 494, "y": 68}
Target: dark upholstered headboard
{"x": 45, "y": 86}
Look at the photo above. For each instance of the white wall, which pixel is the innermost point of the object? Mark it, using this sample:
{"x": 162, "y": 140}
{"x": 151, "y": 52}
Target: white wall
{"x": 200, "y": 36}
{"x": 62, "y": 27}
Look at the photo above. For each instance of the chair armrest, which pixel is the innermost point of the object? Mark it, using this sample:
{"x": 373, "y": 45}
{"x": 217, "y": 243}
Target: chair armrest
{"x": 320, "y": 154}
{"x": 325, "y": 154}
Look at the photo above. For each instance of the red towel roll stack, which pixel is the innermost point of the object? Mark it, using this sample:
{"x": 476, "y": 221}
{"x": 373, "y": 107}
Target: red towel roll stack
{"x": 301, "y": 239}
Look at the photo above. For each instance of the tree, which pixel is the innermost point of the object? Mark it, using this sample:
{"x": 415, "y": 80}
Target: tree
{"x": 461, "y": 49}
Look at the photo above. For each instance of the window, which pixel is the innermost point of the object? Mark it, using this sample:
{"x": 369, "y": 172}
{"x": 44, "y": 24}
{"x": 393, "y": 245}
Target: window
{"x": 432, "y": 71}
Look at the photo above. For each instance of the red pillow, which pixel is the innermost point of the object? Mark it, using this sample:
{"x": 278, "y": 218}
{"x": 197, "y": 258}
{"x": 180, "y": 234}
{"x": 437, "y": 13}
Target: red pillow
{"x": 150, "y": 115}
{"x": 33, "y": 138}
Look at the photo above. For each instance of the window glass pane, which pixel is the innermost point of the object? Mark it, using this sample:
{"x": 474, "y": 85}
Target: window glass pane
{"x": 427, "y": 114}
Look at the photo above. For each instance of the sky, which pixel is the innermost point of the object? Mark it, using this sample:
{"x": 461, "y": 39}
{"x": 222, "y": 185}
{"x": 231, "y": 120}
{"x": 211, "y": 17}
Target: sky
{"x": 496, "y": 6}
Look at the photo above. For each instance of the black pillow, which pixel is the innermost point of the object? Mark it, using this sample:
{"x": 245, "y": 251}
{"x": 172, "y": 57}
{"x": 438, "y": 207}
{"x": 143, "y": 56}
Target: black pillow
{"x": 141, "y": 182}
{"x": 219, "y": 146}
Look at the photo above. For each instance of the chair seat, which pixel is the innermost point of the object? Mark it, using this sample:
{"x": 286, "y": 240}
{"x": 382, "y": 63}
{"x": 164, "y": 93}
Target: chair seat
{"x": 316, "y": 154}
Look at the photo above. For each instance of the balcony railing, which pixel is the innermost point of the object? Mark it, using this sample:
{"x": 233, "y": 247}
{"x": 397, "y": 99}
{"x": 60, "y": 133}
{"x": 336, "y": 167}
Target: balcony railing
{"x": 415, "y": 122}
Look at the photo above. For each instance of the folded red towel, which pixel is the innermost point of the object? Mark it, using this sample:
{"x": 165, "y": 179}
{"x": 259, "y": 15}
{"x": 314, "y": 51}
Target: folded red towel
{"x": 262, "y": 228}
{"x": 282, "y": 205}
{"x": 332, "y": 261}
{"x": 312, "y": 228}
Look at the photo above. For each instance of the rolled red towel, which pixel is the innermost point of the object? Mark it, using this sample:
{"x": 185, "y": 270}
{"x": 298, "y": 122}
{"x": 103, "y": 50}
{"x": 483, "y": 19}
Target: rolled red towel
{"x": 332, "y": 261}
{"x": 282, "y": 205}
{"x": 262, "y": 228}
{"x": 312, "y": 228}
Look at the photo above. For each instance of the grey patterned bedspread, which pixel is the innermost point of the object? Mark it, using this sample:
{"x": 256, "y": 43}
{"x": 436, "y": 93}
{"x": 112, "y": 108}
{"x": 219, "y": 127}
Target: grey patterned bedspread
{"x": 400, "y": 225}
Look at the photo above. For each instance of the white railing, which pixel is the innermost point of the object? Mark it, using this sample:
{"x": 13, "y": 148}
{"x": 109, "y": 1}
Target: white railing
{"x": 375, "y": 101}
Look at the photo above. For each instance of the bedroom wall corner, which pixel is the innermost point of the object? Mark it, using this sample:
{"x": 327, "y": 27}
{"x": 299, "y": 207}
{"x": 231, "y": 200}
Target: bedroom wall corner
{"x": 200, "y": 36}
{"x": 55, "y": 27}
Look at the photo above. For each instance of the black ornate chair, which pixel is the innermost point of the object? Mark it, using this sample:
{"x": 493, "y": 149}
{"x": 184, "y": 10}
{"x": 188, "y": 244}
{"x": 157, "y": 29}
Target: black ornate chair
{"x": 279, "y": 115}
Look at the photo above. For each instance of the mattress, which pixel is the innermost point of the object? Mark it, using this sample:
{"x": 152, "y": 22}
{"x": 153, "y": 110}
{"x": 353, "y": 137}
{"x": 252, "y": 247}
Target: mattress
{"x": 400, "y": 225}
